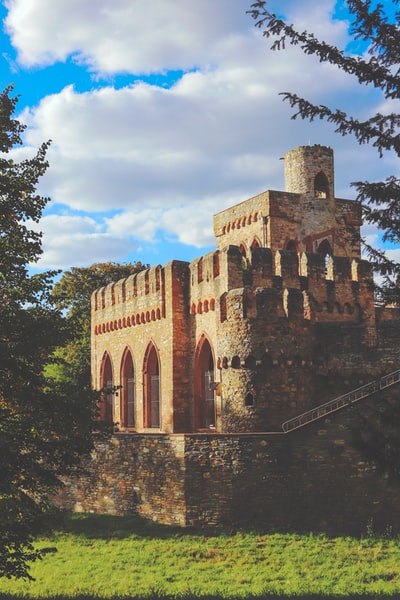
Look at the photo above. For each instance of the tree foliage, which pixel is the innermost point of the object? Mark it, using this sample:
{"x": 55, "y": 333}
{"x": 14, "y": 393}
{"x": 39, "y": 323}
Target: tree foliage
{"x": 44, "y": 426}
{"x": 72, "y": 294}
{"x": 376, "y": 25}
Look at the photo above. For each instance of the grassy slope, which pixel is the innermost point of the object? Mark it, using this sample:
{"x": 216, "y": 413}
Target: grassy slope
{"x": 111, "y": 557}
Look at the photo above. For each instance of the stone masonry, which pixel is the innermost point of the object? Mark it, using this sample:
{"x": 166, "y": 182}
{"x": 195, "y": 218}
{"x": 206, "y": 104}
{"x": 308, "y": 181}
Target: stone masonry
{"x": 201, "y": 362}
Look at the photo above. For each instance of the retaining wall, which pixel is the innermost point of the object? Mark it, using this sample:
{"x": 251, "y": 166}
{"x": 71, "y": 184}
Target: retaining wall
{"x": 312, "y": 479}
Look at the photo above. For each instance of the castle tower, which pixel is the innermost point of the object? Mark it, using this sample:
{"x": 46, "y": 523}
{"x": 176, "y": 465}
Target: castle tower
{"x": 309, "y": 170}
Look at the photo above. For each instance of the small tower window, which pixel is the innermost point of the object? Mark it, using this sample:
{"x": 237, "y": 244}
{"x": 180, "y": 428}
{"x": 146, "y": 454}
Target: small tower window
{"x": 321, "y": 186}
{"x": 235, "y": 362}
{"x": 249, "y": 400}
{"x": 291, "y": 246}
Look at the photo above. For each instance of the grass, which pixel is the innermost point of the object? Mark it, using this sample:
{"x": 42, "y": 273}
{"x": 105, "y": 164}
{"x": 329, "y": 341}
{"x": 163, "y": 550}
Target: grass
{"x": 115, "y": 558}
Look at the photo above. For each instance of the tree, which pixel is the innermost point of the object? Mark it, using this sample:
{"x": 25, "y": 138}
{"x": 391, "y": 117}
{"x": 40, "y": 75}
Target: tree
{"x": 72, "y": 294}
{"x": 44, "y": 427}
{"x": 378, "y": 29}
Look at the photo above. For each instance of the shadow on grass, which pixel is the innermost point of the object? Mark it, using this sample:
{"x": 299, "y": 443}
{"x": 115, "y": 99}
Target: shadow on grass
{"x": 106, "y": 527}
{"x": 211, "y": 597}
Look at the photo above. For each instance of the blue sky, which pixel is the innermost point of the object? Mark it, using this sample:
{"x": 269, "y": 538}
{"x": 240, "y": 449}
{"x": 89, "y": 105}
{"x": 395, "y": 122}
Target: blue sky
{"x": 163, "y": 113}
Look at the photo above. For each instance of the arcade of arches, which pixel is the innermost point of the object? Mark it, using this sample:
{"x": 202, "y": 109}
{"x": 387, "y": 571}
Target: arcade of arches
{"x": 139, "y": 394}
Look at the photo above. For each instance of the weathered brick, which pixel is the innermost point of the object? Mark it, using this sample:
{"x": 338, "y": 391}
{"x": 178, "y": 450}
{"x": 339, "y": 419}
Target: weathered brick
{"x": 279, "y": 319}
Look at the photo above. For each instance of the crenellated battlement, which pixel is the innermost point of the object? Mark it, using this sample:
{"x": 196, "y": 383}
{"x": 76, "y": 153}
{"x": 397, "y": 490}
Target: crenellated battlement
{"x": 309, "y": 285}
{"x": 237, "y": 340}
{"x": 145, "y": 283}
{"x": 135, "y": 300}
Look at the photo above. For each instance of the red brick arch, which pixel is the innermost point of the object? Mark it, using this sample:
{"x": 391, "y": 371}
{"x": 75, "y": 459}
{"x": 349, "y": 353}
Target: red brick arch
{"x": 127, "y": 406}
{"x": 106, "y": 384}
{"x": 152, "y": 387}
{"x": 204, "y": 396}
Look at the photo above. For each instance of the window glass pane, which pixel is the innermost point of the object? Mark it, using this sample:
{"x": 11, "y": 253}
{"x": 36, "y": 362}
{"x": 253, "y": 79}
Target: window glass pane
{"x": 209, "y": 409}
{"x": 130, "y": 402}
{"x": 154, "y": 401}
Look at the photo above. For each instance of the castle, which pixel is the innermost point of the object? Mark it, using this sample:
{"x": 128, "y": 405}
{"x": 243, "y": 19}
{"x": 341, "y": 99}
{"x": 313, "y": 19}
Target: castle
{"x": 201, "y": 363}
{"x": 228, "y": 342}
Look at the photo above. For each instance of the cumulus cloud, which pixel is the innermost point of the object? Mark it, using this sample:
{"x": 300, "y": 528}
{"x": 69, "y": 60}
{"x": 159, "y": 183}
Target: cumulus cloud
{"x": 134, "y": 36}
{"x": 163, "y": 160}
{"x": 76, "y": 241}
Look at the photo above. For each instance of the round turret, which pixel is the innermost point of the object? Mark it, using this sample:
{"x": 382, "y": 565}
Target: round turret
{"x": 309, "y": 170}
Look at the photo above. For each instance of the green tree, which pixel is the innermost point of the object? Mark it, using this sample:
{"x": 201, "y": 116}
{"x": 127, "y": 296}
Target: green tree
{"x": 72, "y": 294}
{"x": 377, "y": 26}
{"x": 44, "y": 427}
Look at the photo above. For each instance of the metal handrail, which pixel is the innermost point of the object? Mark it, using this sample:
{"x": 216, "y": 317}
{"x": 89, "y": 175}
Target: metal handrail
{"x": 337, "y": 403}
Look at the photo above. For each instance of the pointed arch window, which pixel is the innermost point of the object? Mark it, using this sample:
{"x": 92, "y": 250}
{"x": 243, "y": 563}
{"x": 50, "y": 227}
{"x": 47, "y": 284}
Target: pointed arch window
{"x": 321, "y": 185}
{"x": 106, "y": 385}
{"x": 325, "y": 248}
{"x": 204, "y": 386}
{"x": 128, "y": 390}
{"x": 152, "y": 395}
{"x": 291, "y": 246}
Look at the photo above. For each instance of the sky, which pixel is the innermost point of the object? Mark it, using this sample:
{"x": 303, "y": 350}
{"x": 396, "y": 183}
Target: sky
{"x": 163, "y": 113}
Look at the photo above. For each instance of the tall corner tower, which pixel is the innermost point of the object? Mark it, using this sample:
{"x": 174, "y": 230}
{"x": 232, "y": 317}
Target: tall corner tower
{"x": 309, "y": 170}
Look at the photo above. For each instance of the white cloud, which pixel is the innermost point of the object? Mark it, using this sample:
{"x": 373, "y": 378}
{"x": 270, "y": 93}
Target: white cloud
{"x": 164, "y": 160}
{"x": 134, "y": 36}
{"x": 76, "y": 241}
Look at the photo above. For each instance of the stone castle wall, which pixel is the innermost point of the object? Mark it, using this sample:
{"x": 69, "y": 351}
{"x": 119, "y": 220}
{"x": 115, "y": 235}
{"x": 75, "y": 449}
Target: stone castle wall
{"x": 209, "y": 358}
{"x": 313, "y": 479}
{"x": 255, "y": 316}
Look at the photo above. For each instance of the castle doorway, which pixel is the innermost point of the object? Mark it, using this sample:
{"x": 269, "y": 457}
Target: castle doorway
{"x": 106, "y": 385}
{"x": 204, "y": 392}
{"x": 151, "y": 388}
{"x": 128, "y": 391}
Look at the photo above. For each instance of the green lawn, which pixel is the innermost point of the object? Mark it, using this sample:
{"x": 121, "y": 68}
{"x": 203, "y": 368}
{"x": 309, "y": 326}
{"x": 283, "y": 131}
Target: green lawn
{"x": 112, "y": 557}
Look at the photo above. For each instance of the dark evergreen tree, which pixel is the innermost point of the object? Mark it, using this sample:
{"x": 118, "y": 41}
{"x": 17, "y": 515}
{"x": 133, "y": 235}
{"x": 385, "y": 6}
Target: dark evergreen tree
{"x": 377, "y": 26}
{"x": 45, "y": 427}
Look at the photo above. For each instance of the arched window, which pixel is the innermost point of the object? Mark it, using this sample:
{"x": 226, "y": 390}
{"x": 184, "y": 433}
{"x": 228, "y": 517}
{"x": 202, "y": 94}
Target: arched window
{"x": 243, "y": 252}
{"x": 321, "y": 185}
{"x": 128, "y": 391}
{"x": 106, "y": 386}
{"x": 235, "y": 363}
{"x": 324, "y": 248}
{"x": 250, "y": 362}
{"x": 204, "y": 386}
{"x": 152, "y": 400}
{"x": 266, "y": 361}
{"x": 291, "y": 246}
{"x": 249, "y": 400}
{"x": 348, "y": 309}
